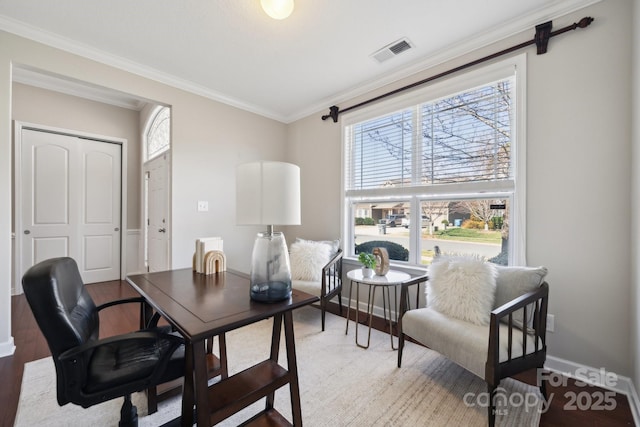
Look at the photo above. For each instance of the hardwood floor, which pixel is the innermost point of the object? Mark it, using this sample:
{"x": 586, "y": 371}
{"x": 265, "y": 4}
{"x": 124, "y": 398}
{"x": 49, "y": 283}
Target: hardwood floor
{"x": 30, "y": 345}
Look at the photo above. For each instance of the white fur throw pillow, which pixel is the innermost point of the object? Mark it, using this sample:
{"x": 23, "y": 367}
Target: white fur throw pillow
{"x": 307, "y": 259}
{"x": 333, "y": 244}
{"x": 463, "y": 288}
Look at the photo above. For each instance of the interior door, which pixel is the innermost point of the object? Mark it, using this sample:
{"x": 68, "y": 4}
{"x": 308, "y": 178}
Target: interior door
{"x": 157, "y": 213}
{"x": 71, "y": 198}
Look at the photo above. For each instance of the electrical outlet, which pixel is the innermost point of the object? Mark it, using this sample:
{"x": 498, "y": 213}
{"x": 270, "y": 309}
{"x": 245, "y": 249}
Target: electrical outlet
{"x": 203, "y": 206}
{"x": 551, "y": 322}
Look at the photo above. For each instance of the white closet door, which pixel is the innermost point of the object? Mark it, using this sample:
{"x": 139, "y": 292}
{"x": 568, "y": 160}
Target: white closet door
{"x": 71, "y": 195}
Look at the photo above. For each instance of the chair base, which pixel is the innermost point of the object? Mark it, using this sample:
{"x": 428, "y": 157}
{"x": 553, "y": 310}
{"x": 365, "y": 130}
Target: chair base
{"x": 128, "y": 413}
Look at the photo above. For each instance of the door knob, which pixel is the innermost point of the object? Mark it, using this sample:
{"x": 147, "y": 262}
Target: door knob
{"x": 27, "y": 231}
{"x": 162, "y": 230}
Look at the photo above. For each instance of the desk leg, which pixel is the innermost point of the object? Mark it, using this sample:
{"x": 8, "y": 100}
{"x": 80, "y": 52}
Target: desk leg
{"x": 187, "y": 391}
{"x": 222, "y": 345}
{"x": 275, "y": 350}
{"x": 294, "y": 387}
{"x": 201, "y": 383}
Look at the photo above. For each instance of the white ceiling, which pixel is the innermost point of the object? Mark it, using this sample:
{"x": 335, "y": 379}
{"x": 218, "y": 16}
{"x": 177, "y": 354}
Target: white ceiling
{"x": 231, "y": 51}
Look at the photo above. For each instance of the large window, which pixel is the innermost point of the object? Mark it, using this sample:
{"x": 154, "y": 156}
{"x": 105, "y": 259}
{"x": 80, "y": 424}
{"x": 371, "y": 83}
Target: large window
{"x": 440, "y": 169}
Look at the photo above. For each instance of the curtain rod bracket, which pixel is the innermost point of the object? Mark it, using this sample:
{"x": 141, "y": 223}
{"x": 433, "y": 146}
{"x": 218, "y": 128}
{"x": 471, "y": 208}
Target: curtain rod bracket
{"x": 543, "y": 33}
{"x": 333, "y": 113}
{"x": 541, "y": 39}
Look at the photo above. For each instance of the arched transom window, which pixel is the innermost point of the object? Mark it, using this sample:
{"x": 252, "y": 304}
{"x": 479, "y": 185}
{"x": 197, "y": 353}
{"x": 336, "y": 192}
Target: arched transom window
{"x": 158, "y": 135}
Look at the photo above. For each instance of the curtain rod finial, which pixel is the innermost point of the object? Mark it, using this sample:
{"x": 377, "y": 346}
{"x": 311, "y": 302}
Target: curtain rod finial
{"x": 585, "y": 22}
{"x": 333, "y": 113}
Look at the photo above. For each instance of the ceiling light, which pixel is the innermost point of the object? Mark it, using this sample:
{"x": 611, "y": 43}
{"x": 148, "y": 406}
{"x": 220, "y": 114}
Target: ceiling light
{"x": 277, "y": 9}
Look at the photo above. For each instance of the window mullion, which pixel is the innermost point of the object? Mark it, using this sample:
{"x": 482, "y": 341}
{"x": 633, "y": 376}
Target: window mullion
{"x": 416, "y": 173}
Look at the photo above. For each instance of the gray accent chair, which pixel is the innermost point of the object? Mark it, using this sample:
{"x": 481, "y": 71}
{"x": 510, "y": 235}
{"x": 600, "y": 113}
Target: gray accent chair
{"x": 513, "y": 342}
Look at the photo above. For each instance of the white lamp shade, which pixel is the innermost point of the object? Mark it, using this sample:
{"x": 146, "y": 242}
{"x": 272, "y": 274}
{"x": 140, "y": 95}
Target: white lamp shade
{"x": 267, "y": 193}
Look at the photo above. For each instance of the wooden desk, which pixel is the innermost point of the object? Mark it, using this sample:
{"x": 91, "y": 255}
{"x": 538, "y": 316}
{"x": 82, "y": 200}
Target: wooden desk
{"x": 200, "y": 306}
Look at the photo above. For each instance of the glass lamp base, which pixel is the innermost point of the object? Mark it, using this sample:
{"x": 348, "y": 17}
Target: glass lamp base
{"x": 270, "y": 268}
{"x": 270, "y": 291}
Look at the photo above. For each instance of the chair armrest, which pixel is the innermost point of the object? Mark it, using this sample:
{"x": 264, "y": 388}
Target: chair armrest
{"x": 538, "y": 298}
{"x": 335, "y": 261}
{"x": 147, "y": 318}
{"x": 332, "y": 275}
{"x": 405, "y": 304}
{"x": 537, "y": 301}
{"x": 121, "y": 301}
{"x": 85, "y": 350}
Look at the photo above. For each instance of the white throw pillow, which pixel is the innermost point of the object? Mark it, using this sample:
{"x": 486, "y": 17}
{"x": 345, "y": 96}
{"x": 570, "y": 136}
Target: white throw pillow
{"x": 463, "y": 288}
{"x": 307, "y": 259}
{"x": 333, "y": 244}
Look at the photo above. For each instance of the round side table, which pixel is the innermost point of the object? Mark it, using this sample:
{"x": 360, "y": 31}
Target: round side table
{"x": 392, "y": 279}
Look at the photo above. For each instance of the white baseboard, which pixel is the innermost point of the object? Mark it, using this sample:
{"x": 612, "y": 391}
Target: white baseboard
{"x": 7, "y": 348}
{"x": 634, "y": 402}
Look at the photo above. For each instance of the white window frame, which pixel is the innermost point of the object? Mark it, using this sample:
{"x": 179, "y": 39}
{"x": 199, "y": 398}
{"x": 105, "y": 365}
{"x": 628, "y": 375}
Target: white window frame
{"x": 512, "y": 66}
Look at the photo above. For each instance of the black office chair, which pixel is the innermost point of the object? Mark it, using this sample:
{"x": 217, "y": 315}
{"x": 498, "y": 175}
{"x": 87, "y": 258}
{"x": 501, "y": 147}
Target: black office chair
{"x": 90, "y": 370}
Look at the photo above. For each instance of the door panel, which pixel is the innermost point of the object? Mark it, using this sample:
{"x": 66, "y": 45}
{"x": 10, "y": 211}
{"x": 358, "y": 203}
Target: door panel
{"x": 71, "y": 191}
{"x": 99, "y": 180}
{"x": 50, "y": 247}
{"x": 50, "y": 181}
{"x": 157, "y": 199}
{"x": 97, "y": 253}
{"x": 100, "y": 215}
{"x": 46, "y": 199}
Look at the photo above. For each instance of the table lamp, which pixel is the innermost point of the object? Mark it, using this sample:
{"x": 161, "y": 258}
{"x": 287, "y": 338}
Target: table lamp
{"x": 268, "y": 193}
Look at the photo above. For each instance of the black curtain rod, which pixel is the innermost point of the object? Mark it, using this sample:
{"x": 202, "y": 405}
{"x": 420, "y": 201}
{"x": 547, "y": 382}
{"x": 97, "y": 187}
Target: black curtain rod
{"x": 541, "y": 39}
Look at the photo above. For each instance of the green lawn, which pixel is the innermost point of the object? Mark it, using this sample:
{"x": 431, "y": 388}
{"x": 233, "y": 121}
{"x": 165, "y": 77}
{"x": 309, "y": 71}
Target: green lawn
{"x": 467, "y": 234}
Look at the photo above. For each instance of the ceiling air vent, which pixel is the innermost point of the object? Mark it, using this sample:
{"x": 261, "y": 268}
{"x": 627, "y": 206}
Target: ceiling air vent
{"x": 392, "y": 50}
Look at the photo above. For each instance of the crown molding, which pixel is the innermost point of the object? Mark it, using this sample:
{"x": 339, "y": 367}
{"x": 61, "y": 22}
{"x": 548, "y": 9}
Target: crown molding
{"x": 449, "y": 53}
{"x": 56, "y": 41}
{"x": 516, "y": 26}
{"x": 33, "y": 77}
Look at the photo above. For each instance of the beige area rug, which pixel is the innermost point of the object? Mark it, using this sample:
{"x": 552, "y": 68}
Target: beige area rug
{"x": 341, "y": 385}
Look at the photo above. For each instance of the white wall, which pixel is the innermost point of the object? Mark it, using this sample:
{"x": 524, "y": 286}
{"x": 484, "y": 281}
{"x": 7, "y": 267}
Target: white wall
{"x": 635, "y": 197}
{"x": 6, "y": 340}
{"x": 578, "y": 184}
{"x": 209, "y": 139}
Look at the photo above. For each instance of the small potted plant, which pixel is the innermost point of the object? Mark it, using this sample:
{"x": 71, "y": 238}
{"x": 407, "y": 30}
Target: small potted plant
{"x": 368, "y": 262}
